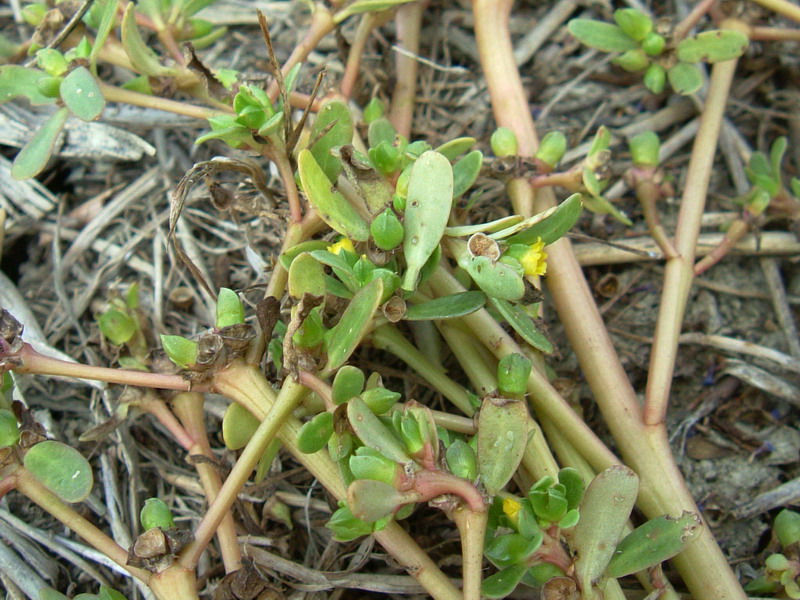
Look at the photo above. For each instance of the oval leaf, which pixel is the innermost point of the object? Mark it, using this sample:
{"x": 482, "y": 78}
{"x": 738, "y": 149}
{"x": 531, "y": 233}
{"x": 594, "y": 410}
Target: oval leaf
{"x": 238, "y": 426}
{"x": 332, "y": 207}
{"x": 604, "y": 510}
{"x": 447, "y": 307}
{"x": 373, "y": 433}
{"x": 523, "y": 325}
{"x": 82, "y": 95}
{"x": 502, "y": 583}
{"x": 554, "y": 226}
{"x": 333, "y": 128}
{"x": 685, "y": 78}
{"x": 18, "y": 81}
{"x": 712, "y": 46}
{"x": 142, "y": 57}
{"x": 370, "y": 500}
{"x": 452, "y": 149}
{"x": 306, "y": 276}
{"x": 466, "y": 171}
{"x": 602, "y": 36}
{"x": 497, "y": 279}
{"x": 430, "y": 197}
{"x": 652, "y": 543}
{"x": 513, "y": 548}
{"x": 502, "y": 437}
{"x": 314, "y": 435}
{"x": 33, "y": 157}
{"x": 61, "y": 469}
{"x": 9, "y": 431}
{"x": 356, "y": 320}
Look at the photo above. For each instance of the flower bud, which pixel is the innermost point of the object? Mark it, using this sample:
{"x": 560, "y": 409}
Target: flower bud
{"x": 387, "y": 230}
{"x": 156, "y": 513}
{"x": 552, "y": 148}
{"x": 787, "y": 527}
{"x": 632, "y": 60}
{"x": 512, "y": 375}
{"x": 462, "y": 461}
{"x": 230, "y": 310}
{"x": 645, "y": 148}
{"x": 653, "y": 44}
{"x": 504, "y": 142}
{"x": 655, "y": 78}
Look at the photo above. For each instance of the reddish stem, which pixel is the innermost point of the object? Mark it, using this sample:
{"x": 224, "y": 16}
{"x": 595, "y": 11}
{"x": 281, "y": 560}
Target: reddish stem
{"x": 736, "y": 232}
{"x": 431, "y": 484}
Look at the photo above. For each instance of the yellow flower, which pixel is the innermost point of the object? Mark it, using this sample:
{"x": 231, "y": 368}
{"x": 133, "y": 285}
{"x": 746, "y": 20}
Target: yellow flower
{"x": 534, "y": 260}
{"x": 511, "y": 508}
{"x": 342, "y": 244}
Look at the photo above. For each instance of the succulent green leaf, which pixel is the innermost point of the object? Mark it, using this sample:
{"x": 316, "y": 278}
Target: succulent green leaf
{"x": 573, "y": 486}
{"x": 312, "y": 331}
{"x": 346, "y": 527}
{"x": 497, "y": 225}
{"x": 549, "y": 504}
{"x": 762, "y": 586}
{"x": 387, "y": 231}
{"x": 502, "y": 437}
{"x": 370, "y": 500}
{"x": 652, "y": 543}
{"x": 513, "y": 371}
{"x": 570, "y": 519}
{"x": 52, "y": 62}
{"x": 117, "y": 326}
{"x": 523, "y": 325}
{"x": 634, "y": 23}
{"x": 181, "y": 351}
{"x": 380, "y": 400}
{"x": 287, "y": 257}
{"x": 368, "y": 463}
{"x": 306, "y": 276}
{"x": 712, "y": 46}
{"x": 9, "y": 431}
{"x": 465, "y": 172}
{"x": 554, "y": 226}
{"x": 373, "y": 433}
{"x": 335, "y": 120}
{"x": 513, "y": 548}
{"x": 605, "y": 509}
{"x": 156, "y": 513}
{"x": 143, "y": 59}
{"x": 230, "y": 310}
{"x": 632, "y": 60}
{"x": 430, "y": 198}
{"x": 787, "y": 527}
{"x": 61, "y": 469}
{"x": 314, "y": 434}
{"x": 655, "y": 78}
{"x": 497, "y": 279}
{"x": 331, "y": 206}
{"x": 354, "y": 324}
{"x": 362, "y": 6}
{"x": 645, "y": 148}
{"x": 462, "y": 460}
{"x": 106, "y": 593}
{"x": 51, "y": 594}
{"x": 502, "y": 583}
{"x": 373, "y": 110}
{"x": 603, "y": 206}
{"x": 34, "y": 156}
{"x": 776, "y": 153}
{"x": 601, "y": 36}
{"x": 339, "y": 446}
{"x": 381, "y": 130}
{"x": 446, "y": 307}
{"x": 454, "y": 148}
{"x": 340, "y": 266}
{"x": 504, "y": 142}
{"x": 685, "y": 78}
{"x": 385, "y": 157}
{"x": 541, "y": 573}
{"x": 653, "y": 44}
{"x": 349, "y": 382}
{"x": 16, "y": 81}
{"x": 552, "y": 148}
{"x": 107, "y": 17}
{"x": 238, "y": 426}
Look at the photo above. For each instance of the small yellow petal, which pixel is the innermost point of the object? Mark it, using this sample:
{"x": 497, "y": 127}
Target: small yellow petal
{"x": 511, "y": 507}
{"x": 342, "y": 244}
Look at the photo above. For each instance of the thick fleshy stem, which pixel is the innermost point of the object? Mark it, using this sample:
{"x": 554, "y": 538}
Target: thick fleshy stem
{"x": 472, "y": 527}
{"x": 409, "y": 20}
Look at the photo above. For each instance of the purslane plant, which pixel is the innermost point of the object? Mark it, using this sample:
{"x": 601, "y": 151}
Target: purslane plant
{"x": 406, "y": 254}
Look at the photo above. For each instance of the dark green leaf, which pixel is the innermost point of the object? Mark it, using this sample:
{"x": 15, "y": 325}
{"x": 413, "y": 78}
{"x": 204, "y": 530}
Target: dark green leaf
{"x": 447, "y": 307}
{"x": 523, "y": 325}
{"x": 61, "y": 469}
{"x": 573, "y": 486}
{"x": 346, "y": 527}
{"x": 353, "y": 325}
{"x": 652, "y": 543}
{"x": 712, "y": 46}
{"x": 554, "y": 226}
{"x": 314, "y": 435}
{"x": 601, "y": 36}
{"x": 502, "y": 583}
{"x": 34, "y": 156}
{"x": 331, "y": 206}
{"x": 465, "y": 172}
